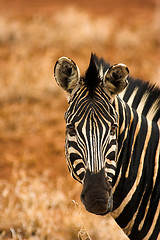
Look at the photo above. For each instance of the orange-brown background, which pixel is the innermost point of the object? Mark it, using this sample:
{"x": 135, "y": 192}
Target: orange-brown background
{"x": 38, "y": 198}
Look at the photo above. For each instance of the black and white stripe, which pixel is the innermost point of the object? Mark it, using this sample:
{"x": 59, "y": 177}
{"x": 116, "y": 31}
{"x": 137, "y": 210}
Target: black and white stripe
{"x": 89, "y": 142}
{"x": 137, "y": 181}
{"x": 119, "y": 134}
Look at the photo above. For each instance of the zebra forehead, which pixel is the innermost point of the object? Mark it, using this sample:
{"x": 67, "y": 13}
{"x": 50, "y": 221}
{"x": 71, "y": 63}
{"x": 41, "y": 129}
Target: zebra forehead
{"x": 99, "y": 108}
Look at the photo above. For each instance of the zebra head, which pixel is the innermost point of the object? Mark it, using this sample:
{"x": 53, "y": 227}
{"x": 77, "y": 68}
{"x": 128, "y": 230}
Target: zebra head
{"x": 91, "y": 127}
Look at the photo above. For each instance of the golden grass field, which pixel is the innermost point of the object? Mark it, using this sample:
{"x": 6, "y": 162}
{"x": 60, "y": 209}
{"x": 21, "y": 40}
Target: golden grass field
{"x": 38, "y": 197}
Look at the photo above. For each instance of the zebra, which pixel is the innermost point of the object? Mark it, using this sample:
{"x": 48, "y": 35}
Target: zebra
{"x": 112, "y": 143}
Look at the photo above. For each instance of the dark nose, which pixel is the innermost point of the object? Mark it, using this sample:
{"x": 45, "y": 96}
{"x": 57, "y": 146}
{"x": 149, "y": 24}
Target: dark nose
{"x": 97, "y": 193}
{"x": 98, "y": 203}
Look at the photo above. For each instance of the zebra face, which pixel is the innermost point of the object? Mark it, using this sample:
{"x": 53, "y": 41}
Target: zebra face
{"x": 91, "y": 133}
{"x": 91, "y": 128}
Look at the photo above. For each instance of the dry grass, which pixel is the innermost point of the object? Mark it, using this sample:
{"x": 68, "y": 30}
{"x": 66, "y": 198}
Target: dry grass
{"x": 38, "y": 200}
{"x": 34, "y": 208}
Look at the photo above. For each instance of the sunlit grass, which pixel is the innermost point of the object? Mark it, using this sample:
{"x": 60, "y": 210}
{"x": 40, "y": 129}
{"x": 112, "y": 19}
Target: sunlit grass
{"x": 38, "y": 200}
{"x": 33, "y": 207}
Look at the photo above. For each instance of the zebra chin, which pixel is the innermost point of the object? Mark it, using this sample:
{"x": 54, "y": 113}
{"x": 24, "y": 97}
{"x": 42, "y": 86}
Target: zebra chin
{"x": 97, "y": 193}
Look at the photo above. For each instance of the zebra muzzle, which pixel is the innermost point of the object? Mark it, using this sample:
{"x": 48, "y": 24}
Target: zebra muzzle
{"x": 97, "y": 193}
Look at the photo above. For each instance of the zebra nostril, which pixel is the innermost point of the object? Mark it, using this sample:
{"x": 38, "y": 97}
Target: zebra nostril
{"x": 99, "y": 204}
{"x": 83, "y": 197}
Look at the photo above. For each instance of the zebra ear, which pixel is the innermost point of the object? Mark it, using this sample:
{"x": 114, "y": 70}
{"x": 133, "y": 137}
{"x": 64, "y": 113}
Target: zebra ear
{"x": 67, "y": 74}
{"x": 115, "y": 78}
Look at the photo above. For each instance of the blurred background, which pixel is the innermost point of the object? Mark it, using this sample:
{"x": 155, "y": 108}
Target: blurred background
{"x": 38, "y": 197}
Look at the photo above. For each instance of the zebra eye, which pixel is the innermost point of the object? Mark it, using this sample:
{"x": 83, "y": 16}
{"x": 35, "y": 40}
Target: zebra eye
{"x": 65, "y": 116}
{"x": 113, "y": 129}
{"x": 71, "y": 129}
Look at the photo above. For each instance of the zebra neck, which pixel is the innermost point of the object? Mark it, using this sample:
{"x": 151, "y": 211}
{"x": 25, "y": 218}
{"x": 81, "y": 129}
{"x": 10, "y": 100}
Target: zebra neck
{"x": 137, "y": 169}
{"x": 129, "y": 126}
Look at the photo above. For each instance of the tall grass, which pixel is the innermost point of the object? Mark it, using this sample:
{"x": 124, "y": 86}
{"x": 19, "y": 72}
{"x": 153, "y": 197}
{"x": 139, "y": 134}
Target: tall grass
{"x": 32, "y": 207}
{"x": 38, "y": 198}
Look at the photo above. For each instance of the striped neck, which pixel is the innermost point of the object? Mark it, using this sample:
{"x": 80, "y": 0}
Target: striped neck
{"x": 137, "y": 172}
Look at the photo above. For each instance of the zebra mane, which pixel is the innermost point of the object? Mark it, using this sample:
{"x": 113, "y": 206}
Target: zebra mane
{"x": 144, "y": 97}
{"x": 92, "y": 76}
